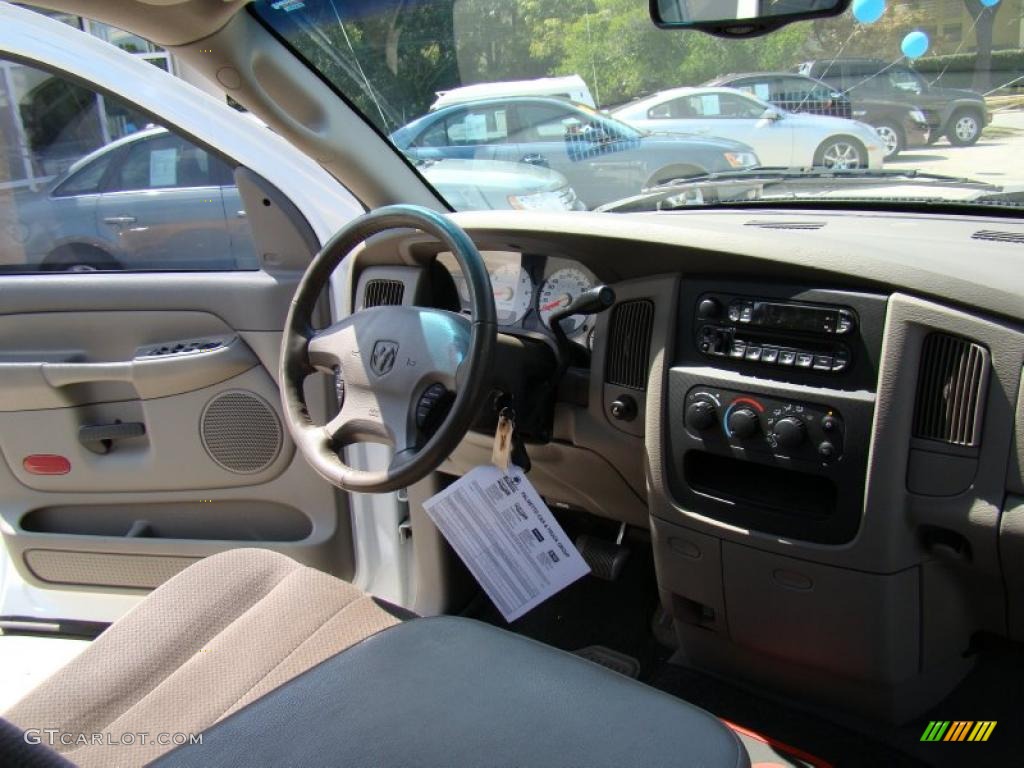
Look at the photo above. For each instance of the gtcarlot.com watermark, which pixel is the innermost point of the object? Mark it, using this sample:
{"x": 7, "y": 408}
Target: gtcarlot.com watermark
{"x": 53, "y": 737}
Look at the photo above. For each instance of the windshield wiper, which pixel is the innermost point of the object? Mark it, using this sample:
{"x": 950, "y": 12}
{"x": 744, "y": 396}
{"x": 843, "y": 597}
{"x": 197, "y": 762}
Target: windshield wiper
{"x": 707, "y": 189}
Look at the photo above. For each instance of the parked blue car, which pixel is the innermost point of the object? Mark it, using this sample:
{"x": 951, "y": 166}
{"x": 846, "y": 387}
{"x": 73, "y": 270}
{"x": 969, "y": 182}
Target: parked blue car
{"x": 603, "y": 158}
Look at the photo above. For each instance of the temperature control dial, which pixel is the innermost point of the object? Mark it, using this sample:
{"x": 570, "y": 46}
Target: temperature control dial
{"x": 743, "y": 422}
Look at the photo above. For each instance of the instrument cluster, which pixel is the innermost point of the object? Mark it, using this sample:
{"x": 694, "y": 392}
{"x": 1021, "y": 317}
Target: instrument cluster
{"x": 528, "y": 289}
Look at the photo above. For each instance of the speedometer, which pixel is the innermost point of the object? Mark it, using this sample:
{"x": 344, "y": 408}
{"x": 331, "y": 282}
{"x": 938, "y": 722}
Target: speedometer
{"x": 558, "y": 291}
{"x": 513, "y": 293}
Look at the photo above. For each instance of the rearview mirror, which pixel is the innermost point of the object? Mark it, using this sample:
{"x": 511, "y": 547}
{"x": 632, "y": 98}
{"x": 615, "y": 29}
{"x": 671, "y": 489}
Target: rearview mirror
{"x": 771, "y": 114}
{"x": 740, "y": 18}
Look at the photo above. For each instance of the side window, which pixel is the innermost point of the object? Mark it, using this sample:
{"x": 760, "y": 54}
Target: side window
{"x": 738, "y": 107}
{"x": 905, "y": 81}
{"x": 168, "y": 210}
{"x": 478, "y": 126}
{"x": 164, "y": 161}
{"x": 762, "y": 89}
{"x": 662, "y": 111}
{"x": 539, "y": 122}
{"x": 86, "y": 180}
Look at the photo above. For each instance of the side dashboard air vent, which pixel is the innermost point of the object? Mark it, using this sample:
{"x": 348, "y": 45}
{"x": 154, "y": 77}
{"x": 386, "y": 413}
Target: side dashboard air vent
{"x": 951, "y": 385}
{"x": 383, "y": 293}
{"x": 808, "y": 225}
{"x": 998, "y": 236}
{"x": 629, "y": 343}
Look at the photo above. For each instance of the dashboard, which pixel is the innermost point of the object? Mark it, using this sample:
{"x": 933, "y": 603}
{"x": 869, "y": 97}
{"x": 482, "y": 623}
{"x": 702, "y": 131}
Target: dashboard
{"x": 816, "y": 415}
{"x": 529, "y": 288}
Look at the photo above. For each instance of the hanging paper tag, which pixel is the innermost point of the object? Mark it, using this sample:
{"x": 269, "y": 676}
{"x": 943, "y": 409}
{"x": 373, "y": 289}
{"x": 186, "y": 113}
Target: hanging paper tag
{"x": 501, "y": 453}
{"x": 507, "y": 537}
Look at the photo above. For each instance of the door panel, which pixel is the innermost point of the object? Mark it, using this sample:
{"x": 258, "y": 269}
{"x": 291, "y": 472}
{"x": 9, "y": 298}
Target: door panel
{"x": 171, "y": 499}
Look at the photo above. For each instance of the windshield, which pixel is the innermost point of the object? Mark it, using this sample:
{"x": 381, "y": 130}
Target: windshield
{"x": 584, "y": 104}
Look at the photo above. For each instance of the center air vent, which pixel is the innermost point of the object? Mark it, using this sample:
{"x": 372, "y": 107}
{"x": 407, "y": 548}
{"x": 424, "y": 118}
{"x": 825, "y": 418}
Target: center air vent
{"x": 383, "y": 293}
{"x": 629, "y": 343}
{"x": 950, "y": 390}
{"x": 786, "y": 224}
{"x": 998, "y": 236}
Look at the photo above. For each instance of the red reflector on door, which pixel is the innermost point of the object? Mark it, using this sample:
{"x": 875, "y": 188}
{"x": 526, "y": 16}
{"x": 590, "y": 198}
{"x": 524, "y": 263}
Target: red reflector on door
{"x": 46, "y": 464}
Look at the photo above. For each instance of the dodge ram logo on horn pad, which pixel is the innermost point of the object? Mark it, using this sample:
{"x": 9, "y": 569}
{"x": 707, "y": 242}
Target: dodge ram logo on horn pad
{"x": 383, "y": 358}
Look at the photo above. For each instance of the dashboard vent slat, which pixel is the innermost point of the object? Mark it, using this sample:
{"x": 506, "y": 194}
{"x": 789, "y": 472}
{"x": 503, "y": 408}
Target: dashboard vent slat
{"x": 383, "y": 293}
{"x": 629, "y": 344}
{"x": 998, "y": 236}
{"x": 950, "y": 387}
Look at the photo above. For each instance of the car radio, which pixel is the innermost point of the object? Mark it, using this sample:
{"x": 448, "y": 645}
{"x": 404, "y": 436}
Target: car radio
{"x": 776, "y": 333}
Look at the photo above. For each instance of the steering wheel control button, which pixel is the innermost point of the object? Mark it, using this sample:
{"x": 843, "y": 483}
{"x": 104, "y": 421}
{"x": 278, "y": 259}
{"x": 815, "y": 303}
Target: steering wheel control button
{"x": 701, "y": 415}
{"x": 433, "y": 395}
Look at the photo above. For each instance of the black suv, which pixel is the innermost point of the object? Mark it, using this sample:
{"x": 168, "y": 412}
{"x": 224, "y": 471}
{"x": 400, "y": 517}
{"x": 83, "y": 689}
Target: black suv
{"x": 900, "y": 125}
{"x": 959, "y": 115}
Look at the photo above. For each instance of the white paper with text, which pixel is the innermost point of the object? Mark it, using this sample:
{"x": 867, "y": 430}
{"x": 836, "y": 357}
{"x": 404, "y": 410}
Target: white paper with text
{"x": 507, "y": 537}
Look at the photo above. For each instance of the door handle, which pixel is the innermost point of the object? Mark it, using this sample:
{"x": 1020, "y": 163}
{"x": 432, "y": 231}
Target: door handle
{"x": 101, "y": 437}
{"x": 119, "y": 219}
{"x": 240, "y": 214}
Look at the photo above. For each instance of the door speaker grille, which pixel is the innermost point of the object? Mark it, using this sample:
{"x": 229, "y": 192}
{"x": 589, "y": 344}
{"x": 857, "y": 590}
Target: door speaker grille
{"x": 241, "y": 432}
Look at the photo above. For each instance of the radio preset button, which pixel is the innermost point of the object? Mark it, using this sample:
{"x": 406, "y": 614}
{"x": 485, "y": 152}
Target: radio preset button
{"x": 769, "y": 354}
{"x": 787, "y": 356}
{"x": 804, "y": 359}
{"x": 753, "y": 353}
{"x": 823, "y": 362}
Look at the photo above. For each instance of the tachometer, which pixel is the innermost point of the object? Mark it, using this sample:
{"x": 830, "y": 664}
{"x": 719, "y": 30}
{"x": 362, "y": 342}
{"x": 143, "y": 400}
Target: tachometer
{"x": 513, "y": 293}
{"x": 558, "y": 291}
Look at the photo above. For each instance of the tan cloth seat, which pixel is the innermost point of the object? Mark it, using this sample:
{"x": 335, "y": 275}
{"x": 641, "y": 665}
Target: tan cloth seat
{"x": 209, "y": 641}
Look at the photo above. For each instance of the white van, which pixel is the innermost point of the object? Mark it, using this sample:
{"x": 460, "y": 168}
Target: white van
{"x": 570, "y": 87}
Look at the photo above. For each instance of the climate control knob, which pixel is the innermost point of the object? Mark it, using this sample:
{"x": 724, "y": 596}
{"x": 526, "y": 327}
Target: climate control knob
{"x": 701, "y": 415}
{"x": 743, "y": 423}
{"x": 789, "y": 432}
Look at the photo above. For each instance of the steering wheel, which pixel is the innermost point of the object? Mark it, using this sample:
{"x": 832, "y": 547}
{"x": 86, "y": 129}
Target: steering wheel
{"x": 397, "y": 362}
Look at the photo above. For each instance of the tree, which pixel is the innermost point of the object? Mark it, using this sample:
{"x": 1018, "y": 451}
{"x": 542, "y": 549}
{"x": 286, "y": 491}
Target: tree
{"x": 984, "y": 24}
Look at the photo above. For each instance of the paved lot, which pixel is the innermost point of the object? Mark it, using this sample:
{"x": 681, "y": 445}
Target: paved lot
{"x": 997, "y": 157}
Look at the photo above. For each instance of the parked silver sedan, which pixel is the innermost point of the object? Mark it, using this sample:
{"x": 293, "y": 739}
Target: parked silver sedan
{"x": 153, "y": 200}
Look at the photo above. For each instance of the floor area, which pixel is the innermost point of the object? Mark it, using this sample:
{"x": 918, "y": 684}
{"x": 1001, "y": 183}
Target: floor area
{"x": 618, "y": 615}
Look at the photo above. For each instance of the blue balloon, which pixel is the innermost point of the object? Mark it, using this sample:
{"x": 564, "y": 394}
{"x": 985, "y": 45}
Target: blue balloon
{"x": 989, "y": 3}
{"x": 868, "y": 11}
{"x": 915, "y": 44}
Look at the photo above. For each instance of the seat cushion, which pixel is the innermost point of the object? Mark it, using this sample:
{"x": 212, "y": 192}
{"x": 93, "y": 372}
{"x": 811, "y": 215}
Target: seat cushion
{"x": 441, "y": 692}
{"x": 216, "y": 637}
